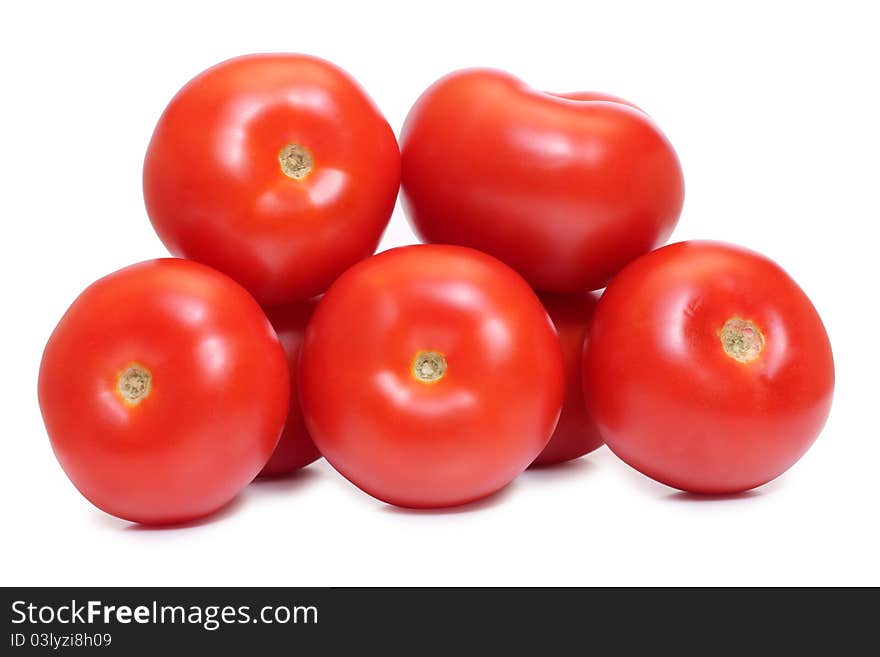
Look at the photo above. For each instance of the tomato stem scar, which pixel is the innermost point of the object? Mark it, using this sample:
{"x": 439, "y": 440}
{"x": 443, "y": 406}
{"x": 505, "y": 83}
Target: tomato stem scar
{"x": 429, "y": 366}
{"x": 296, "y": 161}
{"x": 742, "y": 339}
{"x": 134, "y": 384}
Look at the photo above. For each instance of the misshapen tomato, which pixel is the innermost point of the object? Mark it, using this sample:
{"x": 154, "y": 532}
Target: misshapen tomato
{"x": 565, "y": 188}
{"x": 295, "y": 448}
{"x": 163, "y": 389}
{"x": 275, "y": 169}
{"x": 430, "y": 375}
{"x": 708, "y": 369}
{"x": 576, "y": 433}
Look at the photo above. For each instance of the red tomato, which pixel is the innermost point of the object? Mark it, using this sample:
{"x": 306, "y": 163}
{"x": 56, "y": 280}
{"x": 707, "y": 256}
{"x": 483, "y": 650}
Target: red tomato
{"x": 275, "y": 169}
{"x": 595, "y": 95}
{"x": 430, "y": 375}
{"x": 708, "y": 370}
{"x": 565, "y": 188}
{"x": 576, "y": 433}
{"x": 295, "y": 448}
{"x": 163, "y": 389}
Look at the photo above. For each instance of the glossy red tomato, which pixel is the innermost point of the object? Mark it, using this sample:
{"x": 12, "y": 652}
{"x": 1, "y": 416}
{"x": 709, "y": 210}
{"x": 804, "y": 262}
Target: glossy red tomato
{"x": 430, "y": 375}
{"x": 275, "y": 169}
{"x": 565, "y": 188}
{"x": 576, "y": 433}
{"x": 708, "y": 369}
{"x": 295, "y": 448}
{"x": 595, "y": 95}
{"x": 163, "y": 389}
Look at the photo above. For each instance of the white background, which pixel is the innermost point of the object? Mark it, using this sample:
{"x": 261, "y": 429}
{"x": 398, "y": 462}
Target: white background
{"x": 773, "y": 109}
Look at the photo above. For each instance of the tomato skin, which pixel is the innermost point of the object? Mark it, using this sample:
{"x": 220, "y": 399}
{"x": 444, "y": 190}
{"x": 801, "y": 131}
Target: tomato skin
{"x": 576, "y": 433}
{"x": 215, "y": 190}
{"x": 216, "y": 405}
{"x": 596, "y": 95}
{"x": 666, "y": 395}
{"x": 565, "y": 188}
{"x": 442, "y": 442}
{"x": 295, "y": 448}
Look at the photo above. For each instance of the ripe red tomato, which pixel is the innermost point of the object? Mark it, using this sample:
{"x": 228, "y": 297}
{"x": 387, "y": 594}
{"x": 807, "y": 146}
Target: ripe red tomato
{"x": 163, "y": 389}
{"x": 295, "y": 448}
{"x": 576, "y": 433}
{"x": 708, "y": 369}
{"x": 275, "y": 169}
{"x": 430, "y": 375}
{"x": 595, "y": 95}
{"x": 565, "y": 188}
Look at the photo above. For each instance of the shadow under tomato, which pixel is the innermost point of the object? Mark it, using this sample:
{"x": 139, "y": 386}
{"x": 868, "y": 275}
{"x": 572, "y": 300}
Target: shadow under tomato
{"x": 686, "y": 497}
{"x": 643, "y": 482}
{"x": 488, "y": 502}
{"x": 268, "y": 485}
{"x": 697, "y": 498}
{"x": 578, "y": 467}
{"x": 231, "y": 508}
{"x": 661, "y": 491}
{"x": 286, "y": 483}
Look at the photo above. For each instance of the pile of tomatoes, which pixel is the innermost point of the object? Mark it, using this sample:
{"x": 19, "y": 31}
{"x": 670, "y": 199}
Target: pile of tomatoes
{"x": 429, "y": 375}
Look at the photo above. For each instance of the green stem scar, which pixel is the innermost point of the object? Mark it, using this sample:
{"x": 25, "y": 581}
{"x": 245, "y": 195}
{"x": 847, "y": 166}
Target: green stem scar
{"x": 741, "y": 339}
{"x": 134, "y": 384}
{"x": 296, "y": 161}
{"x": 429, "y": 366}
